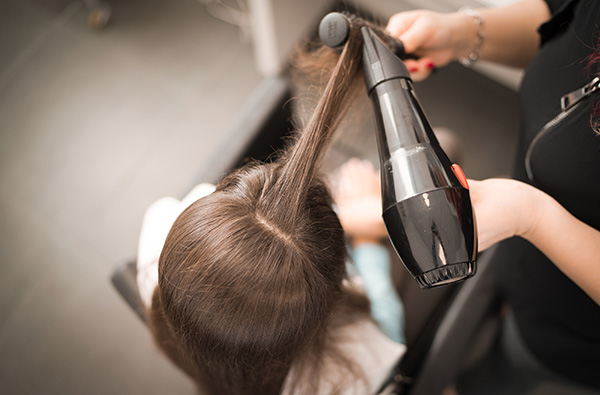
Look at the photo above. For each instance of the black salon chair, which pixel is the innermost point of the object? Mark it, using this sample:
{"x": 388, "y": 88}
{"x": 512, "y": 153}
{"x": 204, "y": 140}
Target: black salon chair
{"x": 123, "y": 279}
{"x": 460, "y": 328}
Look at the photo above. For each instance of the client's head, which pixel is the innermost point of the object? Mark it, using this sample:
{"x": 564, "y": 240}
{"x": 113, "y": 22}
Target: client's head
{"x": 250, "y": 277}
{"x": 241, "y": 289}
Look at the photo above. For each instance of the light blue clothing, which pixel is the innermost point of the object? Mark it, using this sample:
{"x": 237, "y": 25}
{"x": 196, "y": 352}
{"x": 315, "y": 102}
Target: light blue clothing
{"x": 372, "y": 262}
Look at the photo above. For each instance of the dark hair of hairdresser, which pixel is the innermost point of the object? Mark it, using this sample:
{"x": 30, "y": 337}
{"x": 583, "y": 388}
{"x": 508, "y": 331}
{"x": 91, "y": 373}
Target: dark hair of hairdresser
{"x": 593, "y": 61}
{"x": 250, "y": 277}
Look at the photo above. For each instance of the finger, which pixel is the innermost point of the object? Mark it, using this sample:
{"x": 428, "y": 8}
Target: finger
{"x": 416, "y": 34}
{"x": 399, "y": 23}
{"x": 412, "y": 65}
{"x": 420, "y": 69}
{"x": 407, "y": 28}
{"x": 482, "y": 247}
{"x": 474, "y": 187}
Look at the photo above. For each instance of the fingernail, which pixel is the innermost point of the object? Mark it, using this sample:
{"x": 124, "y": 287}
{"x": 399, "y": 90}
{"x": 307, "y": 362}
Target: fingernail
{"x": 430, "y": 65}
{"x": 413, "y": 69}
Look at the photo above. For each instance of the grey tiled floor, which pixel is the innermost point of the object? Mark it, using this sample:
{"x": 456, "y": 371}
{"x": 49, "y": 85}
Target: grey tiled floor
{"x": 94, "y": 126}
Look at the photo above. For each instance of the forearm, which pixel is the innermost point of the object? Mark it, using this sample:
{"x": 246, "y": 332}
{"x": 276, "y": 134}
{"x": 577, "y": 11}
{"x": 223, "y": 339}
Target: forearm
{"x": 572, "y": 245}
{"x": 511, "y": 36}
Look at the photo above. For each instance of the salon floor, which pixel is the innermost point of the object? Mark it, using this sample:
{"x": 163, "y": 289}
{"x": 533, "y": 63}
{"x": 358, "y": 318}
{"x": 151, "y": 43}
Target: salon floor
{"x": 94, "y": 126}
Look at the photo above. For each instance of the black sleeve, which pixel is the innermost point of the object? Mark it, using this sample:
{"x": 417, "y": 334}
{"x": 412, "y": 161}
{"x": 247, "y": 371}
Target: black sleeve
{"x": 557, "y": 5}
{"x": 562, "y": 11}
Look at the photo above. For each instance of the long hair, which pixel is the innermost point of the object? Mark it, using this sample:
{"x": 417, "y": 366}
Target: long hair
{"x": 251, "y": 276}
{"x": 592, "y": 68}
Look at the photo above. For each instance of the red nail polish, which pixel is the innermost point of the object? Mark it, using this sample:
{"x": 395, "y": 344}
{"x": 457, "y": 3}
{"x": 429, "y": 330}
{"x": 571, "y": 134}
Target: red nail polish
{"x": 430, "y": 65}
{"x": 413, "y": 69}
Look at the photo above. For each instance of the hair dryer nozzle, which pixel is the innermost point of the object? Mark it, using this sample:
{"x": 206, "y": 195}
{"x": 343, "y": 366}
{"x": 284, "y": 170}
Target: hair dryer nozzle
{"x": 379, "y": 62}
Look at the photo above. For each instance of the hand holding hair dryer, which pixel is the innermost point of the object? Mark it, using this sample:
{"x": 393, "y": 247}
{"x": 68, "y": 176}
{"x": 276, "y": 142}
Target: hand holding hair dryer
{"x": 425, "y": 198}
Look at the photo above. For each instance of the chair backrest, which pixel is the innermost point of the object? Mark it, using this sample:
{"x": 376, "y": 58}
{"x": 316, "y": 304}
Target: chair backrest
{"x": 123, "y": 279}
{"x": 462, "y": 324}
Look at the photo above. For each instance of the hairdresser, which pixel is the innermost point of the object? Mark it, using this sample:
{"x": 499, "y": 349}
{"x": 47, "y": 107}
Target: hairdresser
{"x": 550, "y": 273}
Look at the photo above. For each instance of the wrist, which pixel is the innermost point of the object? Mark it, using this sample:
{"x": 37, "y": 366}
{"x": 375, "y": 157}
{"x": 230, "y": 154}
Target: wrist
{"x": 539, "y": 205}
{"x": 462, "y": 32}
{"x": 468, "y": 35}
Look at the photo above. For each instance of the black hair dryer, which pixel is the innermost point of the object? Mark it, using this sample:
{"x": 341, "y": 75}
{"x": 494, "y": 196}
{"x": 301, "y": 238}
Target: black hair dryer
{"x": 426, "y": 204}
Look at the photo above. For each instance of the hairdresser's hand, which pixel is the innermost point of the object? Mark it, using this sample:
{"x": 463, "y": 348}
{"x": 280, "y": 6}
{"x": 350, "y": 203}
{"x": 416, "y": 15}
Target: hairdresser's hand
{"x": 510, "y": 31}
{"x": 357, "y": 195}
{"x": 433, "y": 37}
{"x": 504, "y": 208}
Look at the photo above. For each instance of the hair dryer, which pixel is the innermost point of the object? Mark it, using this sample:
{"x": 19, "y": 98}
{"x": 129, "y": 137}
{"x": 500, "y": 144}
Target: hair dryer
{"x": 425, "y": 198}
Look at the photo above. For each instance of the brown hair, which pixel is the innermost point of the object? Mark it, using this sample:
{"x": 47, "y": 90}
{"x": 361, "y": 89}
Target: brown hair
{"x": 250, "y": 277}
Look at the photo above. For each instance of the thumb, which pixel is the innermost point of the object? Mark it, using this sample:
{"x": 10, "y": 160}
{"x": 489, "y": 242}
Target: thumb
{"x": 415, "y": 37}
{"x": 410, "y": 28}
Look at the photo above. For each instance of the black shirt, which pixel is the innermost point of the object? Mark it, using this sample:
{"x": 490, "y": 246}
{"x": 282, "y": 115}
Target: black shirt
{"x": 559, "y": 323}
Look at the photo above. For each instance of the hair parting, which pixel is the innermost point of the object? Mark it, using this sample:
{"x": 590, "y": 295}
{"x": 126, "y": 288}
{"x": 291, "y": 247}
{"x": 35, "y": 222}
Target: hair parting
{"x": 251, "y": 276}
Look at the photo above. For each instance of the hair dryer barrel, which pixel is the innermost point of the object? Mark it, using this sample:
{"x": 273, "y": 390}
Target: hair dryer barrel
{"x": 426, "y": 204}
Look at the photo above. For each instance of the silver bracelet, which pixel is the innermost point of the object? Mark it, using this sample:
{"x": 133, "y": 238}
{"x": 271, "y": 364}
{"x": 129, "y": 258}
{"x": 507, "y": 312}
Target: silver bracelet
{"x": 470, "y": 60}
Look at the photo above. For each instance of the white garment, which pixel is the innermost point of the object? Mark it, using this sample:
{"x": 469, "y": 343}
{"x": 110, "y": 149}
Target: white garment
{"x": 368, "y": 348}
{"x": 362, "y": 341}
{"x": 158, "y": 219}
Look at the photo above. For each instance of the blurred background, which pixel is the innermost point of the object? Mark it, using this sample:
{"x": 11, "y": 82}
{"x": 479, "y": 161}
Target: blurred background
{"x": 97, "y": 122}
